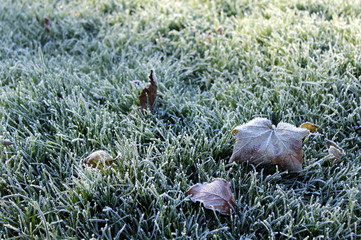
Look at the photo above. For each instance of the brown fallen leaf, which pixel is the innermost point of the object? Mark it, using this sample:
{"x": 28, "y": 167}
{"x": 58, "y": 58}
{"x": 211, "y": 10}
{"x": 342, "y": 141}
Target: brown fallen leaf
{"x": 47, "y": 24}
{"x": 149, "y": 94}
{"x": 334, "y": 151}
{"x": 6, "y": 142}
{"x": 311, "y": 127}
{"x": 98, "y": 159}
{"x": 216, "y": 195}
{"x": 261, "y": 143}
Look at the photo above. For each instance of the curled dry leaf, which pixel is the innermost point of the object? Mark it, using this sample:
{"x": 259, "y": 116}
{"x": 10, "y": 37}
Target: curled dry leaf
{"x": 311, "y": 127}
{"x": 47, "y": 24}
{"x": 6, "y": 142}
{"x": 334, "y": 151}
{"x": 261, "y": 143}
{"x": 149, "y": 94}
{"x": 216, "y": 195}
{"x": 99, "y": 159}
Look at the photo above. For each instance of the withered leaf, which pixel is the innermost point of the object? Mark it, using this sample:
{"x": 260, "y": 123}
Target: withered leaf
{"x": 149, "y": 94}
{"x": 334, "y": 151}
{"x": 311, "y": 127}
{"x": 47, "y": 23}
{"x": 6, "y": 142}
{"x": 261, "y": 143}
{"x": 216, "y": 195}
{"x": 98, "y": 159}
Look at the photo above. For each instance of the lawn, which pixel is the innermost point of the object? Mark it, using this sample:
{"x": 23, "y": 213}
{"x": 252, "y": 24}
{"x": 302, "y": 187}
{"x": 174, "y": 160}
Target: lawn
{"x": 71, "y": 73}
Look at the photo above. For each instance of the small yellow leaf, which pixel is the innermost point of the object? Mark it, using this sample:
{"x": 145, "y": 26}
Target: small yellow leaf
{"x": 234, "y": 131}
{"x": 311, "y": 127}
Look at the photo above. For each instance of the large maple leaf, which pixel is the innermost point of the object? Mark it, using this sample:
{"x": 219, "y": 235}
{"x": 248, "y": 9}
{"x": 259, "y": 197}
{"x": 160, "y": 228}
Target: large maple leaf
{"x": 262, "y": 143}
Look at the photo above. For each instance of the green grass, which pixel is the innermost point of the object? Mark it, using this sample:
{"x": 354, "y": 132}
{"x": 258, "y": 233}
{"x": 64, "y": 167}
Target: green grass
{"x": 74, "y": 89}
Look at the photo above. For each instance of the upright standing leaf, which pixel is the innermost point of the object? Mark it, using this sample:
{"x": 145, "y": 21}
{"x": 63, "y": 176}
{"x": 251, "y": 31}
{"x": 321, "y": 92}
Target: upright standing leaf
{"x": 216, "y": 195}
{"x": 149, "y": 94}
{"x": 47, "y": 24}
{"x": 261, "y": 143}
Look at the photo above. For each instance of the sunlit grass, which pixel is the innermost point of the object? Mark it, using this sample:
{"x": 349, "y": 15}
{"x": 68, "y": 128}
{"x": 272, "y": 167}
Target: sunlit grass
{"x": 73, "y": 89}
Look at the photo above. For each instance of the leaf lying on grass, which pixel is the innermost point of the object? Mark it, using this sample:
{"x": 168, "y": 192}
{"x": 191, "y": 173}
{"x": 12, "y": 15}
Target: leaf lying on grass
{"x": 311, "y": 127}
{"x": 261, "y": 143}
{"x": 216, "y": 195}
{"x": 99, "y": 159}
{"x": 6, "y": 142}
{"x": 334, "y": 151}
{"x": 149, "y": 94}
